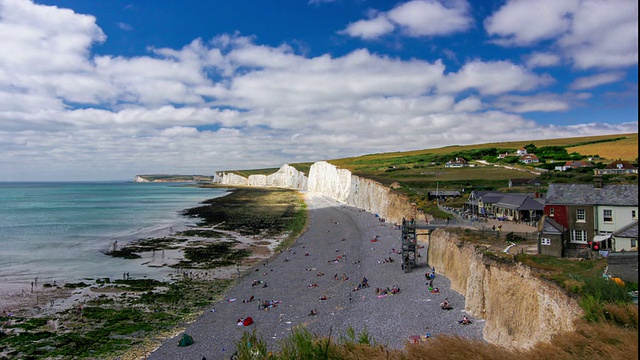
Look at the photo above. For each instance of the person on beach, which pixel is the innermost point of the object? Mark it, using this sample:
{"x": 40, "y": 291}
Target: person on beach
{"x": 465, "y": 320}
{"x": 445, "y": 304}
{"x": 313, "y": 312}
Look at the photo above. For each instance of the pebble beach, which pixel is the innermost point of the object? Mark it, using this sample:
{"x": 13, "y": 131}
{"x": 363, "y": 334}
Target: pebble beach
{"x": 320, "y": 273}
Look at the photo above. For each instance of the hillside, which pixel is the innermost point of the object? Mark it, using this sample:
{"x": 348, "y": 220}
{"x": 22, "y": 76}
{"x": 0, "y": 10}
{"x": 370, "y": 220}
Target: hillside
{"x": 608, "y": 147}
{"x": 416, "y": 173}
{"x": 420, "y": 171}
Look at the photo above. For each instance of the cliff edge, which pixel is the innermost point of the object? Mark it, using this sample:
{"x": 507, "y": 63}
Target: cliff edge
{"x": 520, "y": 308}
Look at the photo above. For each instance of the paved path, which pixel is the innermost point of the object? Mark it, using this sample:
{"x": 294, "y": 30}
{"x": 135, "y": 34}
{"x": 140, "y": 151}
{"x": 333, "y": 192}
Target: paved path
{"x": 335, "y": 230}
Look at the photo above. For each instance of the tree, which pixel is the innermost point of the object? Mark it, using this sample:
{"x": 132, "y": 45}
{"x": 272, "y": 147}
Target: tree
{"x": 531, "y": 149}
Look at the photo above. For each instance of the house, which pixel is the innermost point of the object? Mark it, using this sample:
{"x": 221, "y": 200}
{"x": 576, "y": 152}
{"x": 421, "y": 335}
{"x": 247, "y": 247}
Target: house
{"x": 573, "y": 165}
{"x": 521, "y": 152}
{"x": 529, "y": 158}
{"x": 551, "y": 237}
{"x": 524, "y": 182}
{"x": 591, "y": 212}
{"x": 456, "y": 163}
{"x": 618, "y": 167}
{"x": 626, "y": 238}
{"x": 481, "y": 202}
{"x": 502, "y": 156}
{"x": 443, "y": 194}
{"x": 519, "y": 207}
{"x": 510, "y": 206}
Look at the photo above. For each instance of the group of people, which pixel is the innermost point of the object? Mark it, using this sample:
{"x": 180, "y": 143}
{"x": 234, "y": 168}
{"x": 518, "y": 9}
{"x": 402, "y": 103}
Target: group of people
{"x": 268, "y": 304}
{"x": 342, "y": 277}
{"x": 430, "y": 275}
{"x": 363, "y": 284}
{"x": 394, "y": 290}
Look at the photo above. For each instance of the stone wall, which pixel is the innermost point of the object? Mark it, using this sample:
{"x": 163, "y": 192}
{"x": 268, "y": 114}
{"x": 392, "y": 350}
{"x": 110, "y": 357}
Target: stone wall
{"x": 520, "y": 309}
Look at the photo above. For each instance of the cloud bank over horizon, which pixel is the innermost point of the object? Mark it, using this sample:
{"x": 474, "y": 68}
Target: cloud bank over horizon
{"x": 230, "y": 101}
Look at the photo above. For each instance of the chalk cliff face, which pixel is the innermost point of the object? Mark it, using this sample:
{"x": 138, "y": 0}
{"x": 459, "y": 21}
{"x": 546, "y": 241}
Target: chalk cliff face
{"x": 338, "y": 184}
{"x": 231, "y": 179}
{"x": 286, "y": 177}
{"x": 520, "y": 309}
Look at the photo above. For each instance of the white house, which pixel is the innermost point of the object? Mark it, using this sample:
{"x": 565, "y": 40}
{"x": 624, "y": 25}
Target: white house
{"x": 626, "y": 238}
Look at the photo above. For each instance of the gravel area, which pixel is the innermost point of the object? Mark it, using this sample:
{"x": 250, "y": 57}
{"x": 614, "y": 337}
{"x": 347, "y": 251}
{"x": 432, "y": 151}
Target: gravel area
{"x": 334, "y": 231}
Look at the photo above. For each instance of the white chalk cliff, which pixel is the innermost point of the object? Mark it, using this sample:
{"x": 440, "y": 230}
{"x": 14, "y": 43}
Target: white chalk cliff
{"x": 339, "y": 184}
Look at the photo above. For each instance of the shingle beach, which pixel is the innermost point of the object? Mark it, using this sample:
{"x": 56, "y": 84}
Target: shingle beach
{"x": 341, "y": 246}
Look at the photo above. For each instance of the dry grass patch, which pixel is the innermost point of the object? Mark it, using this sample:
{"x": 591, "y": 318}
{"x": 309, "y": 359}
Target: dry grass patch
{"x": 624, "y": 149}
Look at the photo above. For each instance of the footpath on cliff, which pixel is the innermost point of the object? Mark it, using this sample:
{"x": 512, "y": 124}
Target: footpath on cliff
{"x": 320, "y": 273}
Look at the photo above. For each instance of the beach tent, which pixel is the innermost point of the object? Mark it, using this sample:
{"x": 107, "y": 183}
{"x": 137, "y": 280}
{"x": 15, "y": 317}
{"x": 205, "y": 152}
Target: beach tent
{"x": 247, "y": 321}
{"x": 186, "y": 340}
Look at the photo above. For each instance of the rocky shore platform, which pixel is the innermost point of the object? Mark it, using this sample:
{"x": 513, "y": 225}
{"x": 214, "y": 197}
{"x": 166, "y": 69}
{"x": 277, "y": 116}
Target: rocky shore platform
{"x": 320, "y": 273}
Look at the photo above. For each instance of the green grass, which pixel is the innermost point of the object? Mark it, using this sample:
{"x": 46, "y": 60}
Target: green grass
{"x": 107, "y": 328}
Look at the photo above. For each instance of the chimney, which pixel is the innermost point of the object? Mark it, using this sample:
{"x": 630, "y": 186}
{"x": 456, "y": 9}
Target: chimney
{"x": 597, "y": 182}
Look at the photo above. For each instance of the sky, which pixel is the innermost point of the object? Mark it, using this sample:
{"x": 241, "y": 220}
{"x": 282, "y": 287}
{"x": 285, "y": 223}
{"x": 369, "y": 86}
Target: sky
{"x": 105, "y": 90}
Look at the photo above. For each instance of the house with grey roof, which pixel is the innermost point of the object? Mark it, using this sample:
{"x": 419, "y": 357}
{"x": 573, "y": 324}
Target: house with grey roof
{"x": 591, "y": 212}
{"x": 551, "y": 237}
{"x": 443, "y": 194}
{"x": 626, "y": 238}
{"x": 521, "y": 207}
{"x": 524, "y": 182}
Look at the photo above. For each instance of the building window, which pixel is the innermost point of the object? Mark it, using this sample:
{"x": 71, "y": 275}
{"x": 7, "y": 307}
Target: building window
{"x": 580, "y": 215}
{"x": 607, "y": 215}
{"x": 633, "y": 214}
{"x": 545, "y": 241}
{"x": 551, "y": 211}
{"x": 579, "y": 236}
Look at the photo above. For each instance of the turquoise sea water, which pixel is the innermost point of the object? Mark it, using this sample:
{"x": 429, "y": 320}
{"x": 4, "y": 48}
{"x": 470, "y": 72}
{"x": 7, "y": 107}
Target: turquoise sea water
{"x": 59, "y": 231}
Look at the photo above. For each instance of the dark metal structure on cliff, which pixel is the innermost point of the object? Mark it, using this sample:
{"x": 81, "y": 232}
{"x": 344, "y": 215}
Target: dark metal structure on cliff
{"x": 409, "y": 245}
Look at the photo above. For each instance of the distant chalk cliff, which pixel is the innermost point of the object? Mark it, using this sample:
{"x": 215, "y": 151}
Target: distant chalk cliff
{"x": 338, "y": 184}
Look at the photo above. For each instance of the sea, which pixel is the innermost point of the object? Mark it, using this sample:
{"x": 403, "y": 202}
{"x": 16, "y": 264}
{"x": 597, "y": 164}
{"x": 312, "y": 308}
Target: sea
{"x": 59, "y": 231}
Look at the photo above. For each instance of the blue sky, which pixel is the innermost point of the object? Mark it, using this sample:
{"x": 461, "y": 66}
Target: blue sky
{"x": 105, "y": 90}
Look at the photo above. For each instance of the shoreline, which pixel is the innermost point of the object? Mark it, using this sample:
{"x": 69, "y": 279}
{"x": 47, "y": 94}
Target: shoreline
{"x": 365, "y": 226}
{"x": 62, "y": 306}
